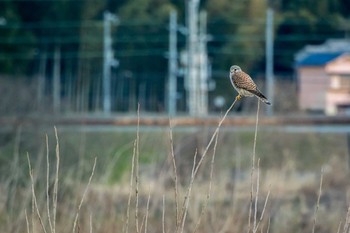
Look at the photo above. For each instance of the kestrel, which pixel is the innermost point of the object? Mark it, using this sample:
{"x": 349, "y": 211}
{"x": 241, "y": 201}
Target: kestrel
{"x": 245, "y": 85}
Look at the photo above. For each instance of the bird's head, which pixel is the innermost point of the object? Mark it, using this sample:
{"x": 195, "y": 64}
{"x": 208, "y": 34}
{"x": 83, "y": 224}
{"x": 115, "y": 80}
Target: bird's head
{"x": 235, "y": 69}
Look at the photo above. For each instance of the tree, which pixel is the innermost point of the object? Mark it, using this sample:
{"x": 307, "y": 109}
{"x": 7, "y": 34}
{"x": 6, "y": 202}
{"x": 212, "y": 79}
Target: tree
{"x": 17, "y": 43}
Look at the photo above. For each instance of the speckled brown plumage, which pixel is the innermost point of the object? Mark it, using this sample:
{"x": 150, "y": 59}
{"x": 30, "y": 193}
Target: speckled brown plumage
{"x": 244, "y": 84}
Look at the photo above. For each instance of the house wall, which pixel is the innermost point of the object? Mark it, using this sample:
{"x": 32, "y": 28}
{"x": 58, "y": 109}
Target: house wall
{"x": 336, "y": 98}
{"x": 338, "y": 94}
{"x": 313, "y": 85}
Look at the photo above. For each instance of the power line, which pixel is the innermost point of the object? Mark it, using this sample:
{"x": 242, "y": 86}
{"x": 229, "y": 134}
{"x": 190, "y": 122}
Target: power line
{"x": 53, "y": 24}
{"x": 141, "y": 53}
{"x": 84, "y": 54}
{"x": 81, "y": 39}
{"x": 79, "y": 24}
{"x": 156, "y": 39}
{"x": 64, "y": 24}
{"x": 45, "y": 0}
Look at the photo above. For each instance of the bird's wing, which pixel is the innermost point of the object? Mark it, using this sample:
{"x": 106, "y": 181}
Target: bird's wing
{"x": 258, "y": 93}
{"x": 244, "y": 81}
{"x": 260, "y": 96}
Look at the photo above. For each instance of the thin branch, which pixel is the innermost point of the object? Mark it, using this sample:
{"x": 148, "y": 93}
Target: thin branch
{"x": 339, "y": 226}
{"x": 90, "y": 223}
{"x": 130, "y": 189}
{"x": 33, "y": 207}
{"x": 318, "y": 203}
{"x": 188, "y": 194}
{"x": 256, "y": 196}
{"x": 196, "y": 167}
{"x": 55, "y": 188}
{"x": 137, "y": 170}
{"x": 268, "y": 225}
{"x": 210, "y": 185}
{"x": 147, "y": 209}
{"x": 213, "y": 137}
{"x": 84, "y": 194}
{"x": 253, "y": 167}
{"x": 27, "y": 222}
{"x": 263, "y": 211}
{"x": 347, "y": 221}
{"x": 34, "y": 196}
{"x": 163, "y": 215}
{"x": 175, "y": 176}
{"x": 48, "y": 183}
{"x": 142, "y": 222}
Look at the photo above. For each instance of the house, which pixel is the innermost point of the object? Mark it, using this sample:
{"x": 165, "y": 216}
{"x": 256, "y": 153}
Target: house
{"x": 314, "y": 80}
{"x": 338, "y": 93}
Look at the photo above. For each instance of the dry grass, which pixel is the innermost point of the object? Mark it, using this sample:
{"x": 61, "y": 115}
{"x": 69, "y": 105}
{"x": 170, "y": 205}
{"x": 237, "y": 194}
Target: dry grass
{"x": 214, "y": 197}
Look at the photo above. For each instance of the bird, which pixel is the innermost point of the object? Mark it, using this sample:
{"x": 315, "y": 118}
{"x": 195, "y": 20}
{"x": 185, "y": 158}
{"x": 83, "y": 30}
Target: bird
{"x": 245, "y": 85}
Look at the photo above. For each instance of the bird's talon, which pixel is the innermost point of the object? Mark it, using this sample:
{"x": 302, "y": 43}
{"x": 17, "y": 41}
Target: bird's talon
{"x": 238, "y": 97}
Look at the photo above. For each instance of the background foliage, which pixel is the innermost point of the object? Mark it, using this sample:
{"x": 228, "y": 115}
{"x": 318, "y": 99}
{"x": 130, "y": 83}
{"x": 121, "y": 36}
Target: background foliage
{"x": 34, "y": 29}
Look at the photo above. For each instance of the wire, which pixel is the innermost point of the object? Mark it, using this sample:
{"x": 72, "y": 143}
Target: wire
{"x": 84, "y": 54}
{"x": 97, "y": 39}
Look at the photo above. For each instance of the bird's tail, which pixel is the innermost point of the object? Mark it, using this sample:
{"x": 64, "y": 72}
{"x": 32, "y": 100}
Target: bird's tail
{"x": 258, "y": 94}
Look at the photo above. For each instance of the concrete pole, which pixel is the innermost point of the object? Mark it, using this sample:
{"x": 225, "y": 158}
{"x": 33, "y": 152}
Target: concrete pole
{"x": 41, "y": 80}
{"x": 192, "y": 74}
{"x": 203, "y": 65}
{"x": 57, "y": 81}
{"x": 172, "y": 81}
{"x": 108, "y": 60}
{"x": 269, "y": 60}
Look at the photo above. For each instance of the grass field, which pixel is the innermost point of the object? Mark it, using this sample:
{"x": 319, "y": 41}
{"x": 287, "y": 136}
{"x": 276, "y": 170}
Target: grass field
{"x": 144, "y": 196}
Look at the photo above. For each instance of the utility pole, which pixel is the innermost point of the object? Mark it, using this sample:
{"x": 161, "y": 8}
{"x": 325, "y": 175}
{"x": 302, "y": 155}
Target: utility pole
{"x": 56, "y": 80}
{"x": 269, "y": 59}
{"x": 203, "y": 65}
{"x": 172, "y": 81}
{"x": 41, "y": 80}
{"x": 192, "y": 71}
{"x": 108, "y": 60}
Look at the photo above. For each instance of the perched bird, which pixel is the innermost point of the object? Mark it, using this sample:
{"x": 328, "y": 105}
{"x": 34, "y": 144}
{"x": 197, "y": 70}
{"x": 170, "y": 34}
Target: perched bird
{"x": 245, "y": 85}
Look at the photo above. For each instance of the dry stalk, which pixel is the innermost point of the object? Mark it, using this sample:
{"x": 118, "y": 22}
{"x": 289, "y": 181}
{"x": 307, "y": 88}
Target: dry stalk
{"x": 27, "y": 222}
{"x": 55, "y": 188}
{"x": 213, "y": 137}
{"x": 318, "y": 203}
{"x": 163, "y": 215}
{"x": 188, "y": 194}
{"x": 210, "y": 185}
{"x": 263, "y": 211}
{"x": 90, "y": 223}
{"x": 268, "y": 225}
{"x": 339, "y": 226}
{"x": 253, "y": 167}
{"x": 33, "y": 210}
{"x": 137, "y": 171}
{"x": 347, "y": 221}
{"x": 48, "y": 184}
{"x": 195, "y": 167}
{"x": 130, "y": 189}
{"x": 147, "y": 209}
{"x": 34, "y": 197}
{"x": 84, "y": 194}
{"x": 256, "y": 196}
{"x": 142, "y": 222}
{"x": 175, "y": 175}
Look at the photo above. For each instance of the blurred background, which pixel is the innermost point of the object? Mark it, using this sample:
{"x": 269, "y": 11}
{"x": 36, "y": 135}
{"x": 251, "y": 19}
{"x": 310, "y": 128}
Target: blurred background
{"x": 169, "y": 56}
{"x": 87, "y": 66}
